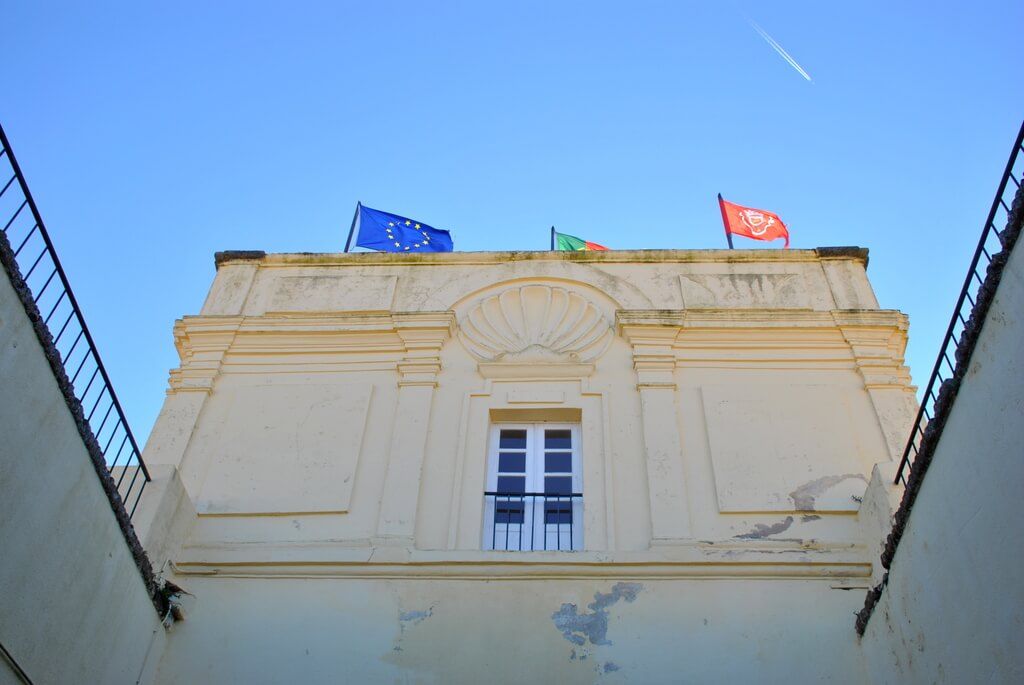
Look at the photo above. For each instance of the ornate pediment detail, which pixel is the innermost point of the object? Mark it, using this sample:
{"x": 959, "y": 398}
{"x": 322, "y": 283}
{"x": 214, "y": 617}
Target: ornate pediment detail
{"x": 535, "y": 324}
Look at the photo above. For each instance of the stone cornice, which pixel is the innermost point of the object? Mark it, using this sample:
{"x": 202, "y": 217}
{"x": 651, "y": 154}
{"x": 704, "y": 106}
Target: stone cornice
{"x": 873, "y": 340}
{"x": 721, "y": 318}
{"x": 855, "y": 254}
{"x": 359, "y": 323}
{"x": 410, "y": 340}
{"x": 878, "y": 343}
{"x": 201, "y": 347}
{"x": 682, "y": 561}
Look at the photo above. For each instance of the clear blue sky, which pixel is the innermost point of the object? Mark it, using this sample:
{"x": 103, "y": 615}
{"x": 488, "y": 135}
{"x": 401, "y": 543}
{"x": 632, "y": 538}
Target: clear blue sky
{"x": 154, "y": 136}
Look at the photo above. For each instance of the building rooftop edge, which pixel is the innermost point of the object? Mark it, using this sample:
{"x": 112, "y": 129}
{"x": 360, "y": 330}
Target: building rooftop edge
{"x": 859, "y": 254}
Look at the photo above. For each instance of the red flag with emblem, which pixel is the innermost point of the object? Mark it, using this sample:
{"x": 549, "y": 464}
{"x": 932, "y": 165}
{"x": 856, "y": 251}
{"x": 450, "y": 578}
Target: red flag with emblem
{"x": 751, "y": 223}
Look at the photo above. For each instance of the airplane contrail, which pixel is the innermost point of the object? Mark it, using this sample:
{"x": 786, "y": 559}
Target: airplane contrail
{"x": 779, "y": 49}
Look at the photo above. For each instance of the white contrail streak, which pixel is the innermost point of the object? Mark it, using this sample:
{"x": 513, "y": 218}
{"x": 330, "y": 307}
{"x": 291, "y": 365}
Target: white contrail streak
{"x": 779, "y": 49}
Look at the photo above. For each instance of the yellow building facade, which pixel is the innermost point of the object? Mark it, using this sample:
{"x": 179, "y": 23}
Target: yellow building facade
{"x": 626, "y": 466}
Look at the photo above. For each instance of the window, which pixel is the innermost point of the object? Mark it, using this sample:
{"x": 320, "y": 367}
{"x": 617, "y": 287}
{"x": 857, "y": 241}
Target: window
{"x": 534, "y": 495}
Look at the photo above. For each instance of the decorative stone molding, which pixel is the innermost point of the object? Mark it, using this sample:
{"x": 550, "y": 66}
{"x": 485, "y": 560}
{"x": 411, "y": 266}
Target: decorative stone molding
{"x": 423, "y": 334}
{"x": 535, "y": 324}
{"x": 652, "y": 335}
{"x": 877, "y": 340}
{"x": 201, "y": 344}
{"x": 409, "y": 342}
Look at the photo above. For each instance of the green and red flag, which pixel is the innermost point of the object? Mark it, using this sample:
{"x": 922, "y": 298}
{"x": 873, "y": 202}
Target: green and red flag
{"x": 570, "y": 243}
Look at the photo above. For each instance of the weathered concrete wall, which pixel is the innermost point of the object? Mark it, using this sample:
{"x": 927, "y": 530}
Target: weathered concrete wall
{"x": 73, "y": 607}
{"x": 610, "y": 630}
{"x": 953, "y": 610}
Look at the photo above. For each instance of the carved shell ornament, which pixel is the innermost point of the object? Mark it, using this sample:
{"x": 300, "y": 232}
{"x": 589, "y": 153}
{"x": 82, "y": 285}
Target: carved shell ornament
{"x": 535, "y": 323}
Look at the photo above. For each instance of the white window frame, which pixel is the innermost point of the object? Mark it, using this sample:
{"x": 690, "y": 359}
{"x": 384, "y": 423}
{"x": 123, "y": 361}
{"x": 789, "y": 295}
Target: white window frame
{"x": 534, "y": 532}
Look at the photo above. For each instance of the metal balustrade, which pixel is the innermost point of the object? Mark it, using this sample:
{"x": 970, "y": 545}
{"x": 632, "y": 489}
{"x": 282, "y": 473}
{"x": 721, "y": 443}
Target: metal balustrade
{"x": 41, "y": 270}
{"x": 534, "y": 521}
{"x": 952, "y": 353}
{"x": 972, "y": 307}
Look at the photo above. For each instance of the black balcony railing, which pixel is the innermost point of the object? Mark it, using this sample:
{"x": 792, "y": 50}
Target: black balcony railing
{"x": 955, "y": 351}
{"x": 41, "y": 270}
{"x": 530, "y": 521}
{"x": 972, "y": 307}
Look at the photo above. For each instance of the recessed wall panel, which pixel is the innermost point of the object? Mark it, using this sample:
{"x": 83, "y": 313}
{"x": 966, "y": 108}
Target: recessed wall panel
{"x": 284, "y": 448}
{"x": 780, "y": 447}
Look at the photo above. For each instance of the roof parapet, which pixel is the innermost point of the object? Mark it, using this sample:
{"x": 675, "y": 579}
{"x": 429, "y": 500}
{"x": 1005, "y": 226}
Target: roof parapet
{"x": 854, "y": 253}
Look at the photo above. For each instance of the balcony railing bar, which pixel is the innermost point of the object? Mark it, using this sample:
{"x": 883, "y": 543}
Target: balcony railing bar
{"x": 51, "y": 298}
{"x": 959, "y": 343}
{"x": 522, "y": 517}
{"x": 990, "y": 236}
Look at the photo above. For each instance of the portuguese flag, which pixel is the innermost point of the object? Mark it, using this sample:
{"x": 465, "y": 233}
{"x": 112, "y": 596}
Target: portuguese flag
{"x": 570, "y": 243}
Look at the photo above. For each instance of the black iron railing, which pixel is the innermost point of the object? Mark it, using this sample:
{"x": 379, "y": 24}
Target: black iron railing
{"x": 976, "y": 297}
{"x": 951, "y": 354}
{"x": 44, "y": 276}
{"x": 528, "y": 521}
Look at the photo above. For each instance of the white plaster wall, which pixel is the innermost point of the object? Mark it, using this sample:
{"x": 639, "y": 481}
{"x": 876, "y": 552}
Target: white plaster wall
{"x": 478, "y": 631}
{"x": 953, "y": 611}
{"x": 73, "y": 607}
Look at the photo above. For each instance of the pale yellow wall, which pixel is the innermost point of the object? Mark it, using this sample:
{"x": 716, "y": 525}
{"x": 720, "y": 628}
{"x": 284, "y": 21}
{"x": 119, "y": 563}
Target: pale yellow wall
{"x": 330, "y": 416}
{"x": 257, "y": 630}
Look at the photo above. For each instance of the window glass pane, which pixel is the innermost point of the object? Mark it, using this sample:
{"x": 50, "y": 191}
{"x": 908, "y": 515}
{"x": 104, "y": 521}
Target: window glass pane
{"x": 512, "y": 439}
{"x": 512, "y": 484}
{"x": 557, "y": 485}
{"x": 557, "y": 439}
{"x": 558, "y": 462}
{"x": 512, "y": 462}
{"x": 508, "y": 512}
{"x": 557, "y": 512}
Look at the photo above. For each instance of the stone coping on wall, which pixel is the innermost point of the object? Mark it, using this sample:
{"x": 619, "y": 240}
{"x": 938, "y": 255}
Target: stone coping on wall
{"x": 857, "y": 254}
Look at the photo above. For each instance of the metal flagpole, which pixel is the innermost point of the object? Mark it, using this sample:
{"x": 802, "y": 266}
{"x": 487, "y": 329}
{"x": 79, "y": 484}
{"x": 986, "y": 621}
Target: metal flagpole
{"x": 552, "y": 238}
{"x": 725, "y": 221}
{"x": 352, "y": 229}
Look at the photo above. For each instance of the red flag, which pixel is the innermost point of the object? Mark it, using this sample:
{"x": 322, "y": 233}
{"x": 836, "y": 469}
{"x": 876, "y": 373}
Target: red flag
{"x": 752, "y": 223}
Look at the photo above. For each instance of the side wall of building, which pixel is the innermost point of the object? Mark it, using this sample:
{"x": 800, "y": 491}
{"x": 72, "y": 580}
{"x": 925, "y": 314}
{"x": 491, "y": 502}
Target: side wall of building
{"x": 953, "y": 610}
{"x": 73, "y": 607}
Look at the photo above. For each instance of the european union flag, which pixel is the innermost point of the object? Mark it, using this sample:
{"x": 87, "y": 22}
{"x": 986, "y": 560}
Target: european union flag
{"x": 386, "y": 232}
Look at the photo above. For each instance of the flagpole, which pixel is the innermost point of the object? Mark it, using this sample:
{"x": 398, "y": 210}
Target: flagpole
{"x": 552, "y": 238}
{"x": 725, "y": 221}
{"x": 352, "y": 228}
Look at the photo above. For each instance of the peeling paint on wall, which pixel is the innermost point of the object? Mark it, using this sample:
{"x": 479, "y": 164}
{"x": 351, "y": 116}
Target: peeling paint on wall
{"x": 578, "y": 628}
{"x": 805, "y": 495}
{"x": 415, "y": 616}
{"x": 762, "y": 531}
{"x": 407, "y": 619}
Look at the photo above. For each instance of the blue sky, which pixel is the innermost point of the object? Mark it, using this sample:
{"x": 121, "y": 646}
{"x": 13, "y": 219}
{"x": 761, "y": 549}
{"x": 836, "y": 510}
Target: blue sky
{"x": 154, "y": 136}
